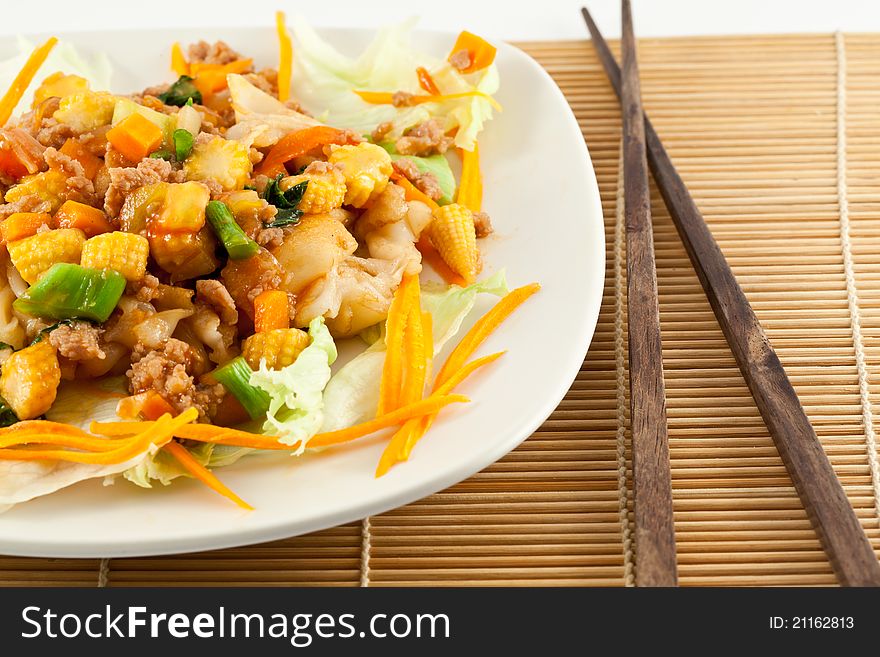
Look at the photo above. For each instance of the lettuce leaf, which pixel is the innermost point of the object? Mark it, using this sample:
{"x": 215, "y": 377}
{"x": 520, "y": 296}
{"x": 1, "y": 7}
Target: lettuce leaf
{"x": 324, "y": 81}
{"x": 352, "y": 394}
{"x": 435, "y": 164}
{"x": 450, "y": 305}
{"x": 296, "y": 392}
{"x": 21, "y": 481}
{"x": 65, "y": 58}
{"x": 164, "y": 468}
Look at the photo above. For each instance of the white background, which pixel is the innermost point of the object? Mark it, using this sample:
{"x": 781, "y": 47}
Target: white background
{"x": 511, "y": 19}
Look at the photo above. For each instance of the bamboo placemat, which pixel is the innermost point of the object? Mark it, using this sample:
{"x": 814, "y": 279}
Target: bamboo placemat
{"x": 778, "y": 137}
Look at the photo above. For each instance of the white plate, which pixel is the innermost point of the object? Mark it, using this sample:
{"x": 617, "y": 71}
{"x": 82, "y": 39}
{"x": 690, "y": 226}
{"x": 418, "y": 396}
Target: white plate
{"x": 541, "y": 192}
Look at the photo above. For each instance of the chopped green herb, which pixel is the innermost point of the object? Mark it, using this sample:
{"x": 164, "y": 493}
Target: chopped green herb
{"x": 7, "y": 415}
{"x": 189, "y": 102}
{"x": 161, "y": 154}
{"x": 181, "y": 92}
{"x": 183, "y": 144}
{"x": 287, "y": 202}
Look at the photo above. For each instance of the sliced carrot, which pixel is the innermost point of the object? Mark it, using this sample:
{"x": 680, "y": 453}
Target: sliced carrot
{"x": 91, "y": 221}
{"x": 482, "y": 329}
{"x": 403, "y": 441}
{"x": 481, "y": 52}
{"x": 299, "y": 143}
{"x": 235, "y": 66}
{"x": 415, "y": 367}
{"x": 19, "y": 225}
{"x": 428, "y": 329}
{"x": 285, "y": 57}
{"x": 158, "y": 433}
{"x": 23, "y": 79}
{"x": 205, "y": 433}
{"x": 387, "y": 98}
{"x": 432, "y": 257}
{"x": 422, "y": 407}
{"x": 90, "y": 163}
{"x": 395, "y": 325}
{"x": 413, "y": 387}
{"x": 135, "y": 137}
{"x": 155, "y": 406}
{"x": 178, "y": 62}
{"x": 412, "y": 192}
{"x": 211, "y": 78}
{"x": 201, "y": 473}
{"x": 271, "y": 311}
{"x": 230, "y": 413}
{"x": 11, "y": 165}
{"x": 426, "y": 81}
{"x": 394, "y": 446}
{"x": 470, "y": 190}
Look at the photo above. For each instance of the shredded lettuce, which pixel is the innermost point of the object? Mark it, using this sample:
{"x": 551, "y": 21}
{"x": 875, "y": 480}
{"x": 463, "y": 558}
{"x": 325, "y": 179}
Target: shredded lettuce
{"x": 65, "y": 58}
{"x": 324, "y": 81}
{"x": 450, "y": 305}
{"x": 164, "y": 468}
{"x": 435, "y": 164}
{"x": 352, "y": 394}
{"x": 296, "y": 392}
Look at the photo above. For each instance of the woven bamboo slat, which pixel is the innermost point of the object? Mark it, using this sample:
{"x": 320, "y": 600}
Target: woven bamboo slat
{"x": 751, "y": 123}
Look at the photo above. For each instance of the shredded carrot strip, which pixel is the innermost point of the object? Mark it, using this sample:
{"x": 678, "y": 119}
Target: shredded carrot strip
{"x": 23, "y": 79}
{"x": 395, "y": 324}
{"x": 205, "y": 433}
{"x": 481, "y": 330}
{"x": 470, "y": 190}
{"x": 424, "y": 406}
{"x": 426, "y": 81}
{"x": 419, "y": 426}
{"x": 414, "y": 351}
{"x": 431, "y": 257}
{"x": 428, "y": 330}
{"x": 201, "y": 473}
{"x": 412, "y": 192}
{"x": 394, "y": 446}
{"x": 178, "y": 62}
{"x": 285, "y": 57}
{"x": 158, "y": 433}
{"x": 387, "y": 98}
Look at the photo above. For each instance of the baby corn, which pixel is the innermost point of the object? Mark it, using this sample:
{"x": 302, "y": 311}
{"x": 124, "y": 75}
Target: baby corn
{"x": 278, "y": 347}
{"x": 325, "y": 190}
{"x": 454, "y": 237}
{"x": 30, "y": 380}
{"x": 366, "y": 169}
{"x": 33, "y": 256}
{"x": 126, "y": 253}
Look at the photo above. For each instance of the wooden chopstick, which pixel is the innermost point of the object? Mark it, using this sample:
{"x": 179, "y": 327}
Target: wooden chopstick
{"x": 652, "y": 481}
{"x": 842, "y": 537}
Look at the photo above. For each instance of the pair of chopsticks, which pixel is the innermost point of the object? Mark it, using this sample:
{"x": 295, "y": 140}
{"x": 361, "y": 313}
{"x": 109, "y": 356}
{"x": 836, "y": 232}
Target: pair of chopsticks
{"x": 845, "y": 543}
